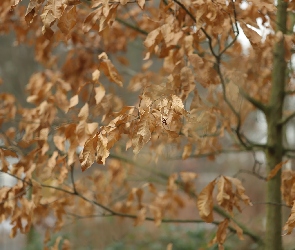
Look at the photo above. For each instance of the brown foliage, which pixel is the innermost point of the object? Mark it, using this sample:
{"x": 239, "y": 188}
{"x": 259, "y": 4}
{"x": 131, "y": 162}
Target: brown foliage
{"x": 194, "y": 100}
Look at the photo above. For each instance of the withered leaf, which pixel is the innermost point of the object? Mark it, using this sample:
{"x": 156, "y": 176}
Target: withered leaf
{"x": 275, "y": 170}
{"x": 252, "y": 35}
{"x": 74, "y": 101}
{"x": 141, "y": 3}
{"x": 110, "y": 71}
{"x": 88, "y": 154}
{"x": 99, "y": 93}
{"x": 205, "y": 202}
{"x": 290, "y": 224}
{"x": 68, "y": 20}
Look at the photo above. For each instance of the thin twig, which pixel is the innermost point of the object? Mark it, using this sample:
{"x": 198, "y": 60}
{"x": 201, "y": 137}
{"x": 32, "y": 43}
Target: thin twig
{"x": 254, "y": 173}
{"x": 72, "y": 179}
{"x": 271, "y": 203}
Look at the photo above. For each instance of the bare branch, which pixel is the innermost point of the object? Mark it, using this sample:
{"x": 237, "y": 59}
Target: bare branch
{"x": 287, "y": 119}
{"x": 290, "y": 92}
{"x": 235, "y": 31}
{"x": 246, "y": 171}
{"x": 131, "y": 26}
{"x": 253, "y": 101}
{"x": 271, "y": 203}
{"x": 132, "y": 216}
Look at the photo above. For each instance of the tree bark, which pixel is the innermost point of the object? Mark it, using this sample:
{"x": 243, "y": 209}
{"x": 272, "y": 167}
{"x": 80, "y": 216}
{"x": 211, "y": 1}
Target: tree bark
{"x": 274, "y": 152}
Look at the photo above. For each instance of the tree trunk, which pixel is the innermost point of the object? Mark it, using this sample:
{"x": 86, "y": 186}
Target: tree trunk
{"x": 274, "y": 152}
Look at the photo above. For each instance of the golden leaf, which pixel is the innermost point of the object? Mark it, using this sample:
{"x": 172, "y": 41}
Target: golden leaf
{"x": 205, "y": 202}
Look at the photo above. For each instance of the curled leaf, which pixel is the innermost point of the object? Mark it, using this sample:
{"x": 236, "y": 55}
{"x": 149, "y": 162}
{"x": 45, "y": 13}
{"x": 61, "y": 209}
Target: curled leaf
{"x": 205, "y": 202}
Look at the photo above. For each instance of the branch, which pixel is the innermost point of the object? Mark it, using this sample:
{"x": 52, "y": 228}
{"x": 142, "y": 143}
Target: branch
{"x": 131, "y": 26}
{"x": 253, "y": 101}
{"x": 271, "y": 203}
{"x": 188, "y": 221}
{"x": 217, "y": 152}
{"x": 289, "y": 152}
{"x": 237, "y": 30}
{"x": 290, "y": 92}
{"x": 287, "y": 119}
{"x": 202, "y": 29}
{"x": 217, "y": 209}
{"x": 246, "y": 231}
{"x": 246, "y": 171}
{"x": 132, "y": 216}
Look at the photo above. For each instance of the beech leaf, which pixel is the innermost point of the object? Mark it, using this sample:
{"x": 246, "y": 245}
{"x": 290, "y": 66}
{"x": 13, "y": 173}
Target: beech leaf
{"x": 88, "y": 154}
{"x": 205, "y": 202}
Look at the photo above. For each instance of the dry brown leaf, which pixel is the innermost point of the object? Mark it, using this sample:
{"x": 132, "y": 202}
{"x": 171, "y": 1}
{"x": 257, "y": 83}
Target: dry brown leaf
{"x": 177, "y": 105}
{"x": 88, "y": 154}
{"x": 239, "y": 230}
{"x": 84, "y": 112}
{"x": 141, "y": 215}
{"x": 74, "y": 101}
{"x": 95, "y": 75}
{"x": 99, "y": 93}
{"x": 240, "y": 190}
{"x": 102, "y": 150}
{"x": 143, "y": 133}
{"x": 31, "y": 11}
{"x": 290, "y": 224}
{"x": 68, "y": 20}
{"x": 187, "y": 150}
{"x": 288, "y": 186}
{"x": 169, "y": 246}
{"x": 141, "y": 3}
{"x": 225, "y": 193}
{"x": 205, "y": 202}
{"x": 275, "y": 170}
{"x": 252, "y": 35}
{"x": 109, "y": 70}
{"x": 221, "y": 232}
